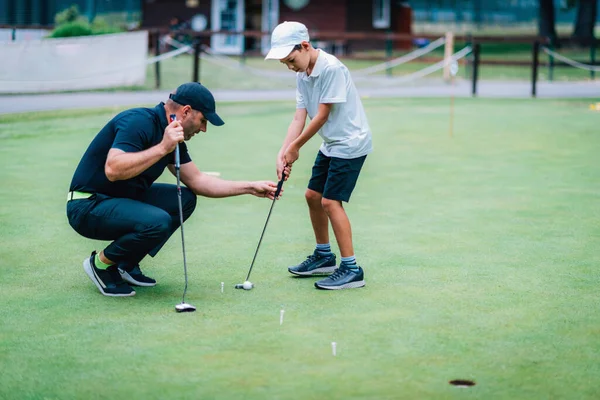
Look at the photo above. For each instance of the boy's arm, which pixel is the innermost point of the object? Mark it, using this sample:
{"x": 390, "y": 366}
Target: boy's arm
{"x": 294, "y": 130}
{"x": 291, "y": 153}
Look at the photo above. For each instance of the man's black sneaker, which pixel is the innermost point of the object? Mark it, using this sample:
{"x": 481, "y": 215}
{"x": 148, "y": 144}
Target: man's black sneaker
{"x": 135, "y": 276}
{"x": 343, "y": 278}
{"x": 315, "y": 264}
{"x": 108, "y": 281}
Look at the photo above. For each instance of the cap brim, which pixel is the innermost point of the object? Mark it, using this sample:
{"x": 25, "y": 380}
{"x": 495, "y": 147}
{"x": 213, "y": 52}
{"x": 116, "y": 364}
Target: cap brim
{"x": 278, "y": 53}
{"x": 214, "y": 119}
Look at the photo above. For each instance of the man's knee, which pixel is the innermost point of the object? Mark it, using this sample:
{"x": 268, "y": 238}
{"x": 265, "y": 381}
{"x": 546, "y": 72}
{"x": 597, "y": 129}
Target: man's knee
{"x": 160, "y": 226}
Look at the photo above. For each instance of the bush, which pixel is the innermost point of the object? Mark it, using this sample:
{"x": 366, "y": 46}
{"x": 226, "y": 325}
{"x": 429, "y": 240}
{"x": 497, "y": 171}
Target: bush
{"x": 71, "y": 29}
{"x": 69, "y": 23}
{"x": 100, "y": 26}
{"x": 67, "y": 15}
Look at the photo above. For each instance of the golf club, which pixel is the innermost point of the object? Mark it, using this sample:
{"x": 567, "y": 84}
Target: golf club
{"x": 247, "y": 285}
{"x": 183, "y": 306}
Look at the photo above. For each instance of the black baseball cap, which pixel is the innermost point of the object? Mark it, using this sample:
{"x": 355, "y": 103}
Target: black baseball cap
{"x": 198, "y": 97}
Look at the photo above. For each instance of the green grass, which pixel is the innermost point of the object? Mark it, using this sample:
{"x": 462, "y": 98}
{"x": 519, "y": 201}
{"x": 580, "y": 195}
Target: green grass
{"x": 480, "y": 251}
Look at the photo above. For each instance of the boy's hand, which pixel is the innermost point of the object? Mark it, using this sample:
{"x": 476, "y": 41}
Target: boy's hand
{"x": 282, "y": 167}
{"x": 291, "y": 154}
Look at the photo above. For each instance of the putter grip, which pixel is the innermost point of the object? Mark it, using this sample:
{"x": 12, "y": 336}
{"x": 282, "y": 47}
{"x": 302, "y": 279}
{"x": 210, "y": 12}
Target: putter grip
{"x": 280, "y": 184}
{"x": 177, "y": 160}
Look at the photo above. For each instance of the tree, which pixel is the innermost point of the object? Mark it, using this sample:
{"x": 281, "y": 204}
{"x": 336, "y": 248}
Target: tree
{"x": 547, "y": 21}
{"x": 583, "y": 31}
{"x": 585, "y": 21}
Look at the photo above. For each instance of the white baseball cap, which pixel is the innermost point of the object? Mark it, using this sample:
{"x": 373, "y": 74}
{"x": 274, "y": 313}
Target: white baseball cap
{"x": 284, "y": 37}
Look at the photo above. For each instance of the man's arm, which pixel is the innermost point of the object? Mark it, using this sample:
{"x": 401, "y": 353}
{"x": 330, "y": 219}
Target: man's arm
{"x": 121, "y": 165}
{"x": 209, "y": 186}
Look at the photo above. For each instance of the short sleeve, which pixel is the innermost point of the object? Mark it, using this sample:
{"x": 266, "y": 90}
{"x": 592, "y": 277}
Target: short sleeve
{"x": 299, "y": 98}
{"x": 184, "y": 155}
{"x": 333, "y": 86}
{"x": 132, "y": 133}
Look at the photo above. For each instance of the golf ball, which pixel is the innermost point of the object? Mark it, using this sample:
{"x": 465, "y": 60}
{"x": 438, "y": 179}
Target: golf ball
{"x": 247, "y": 285}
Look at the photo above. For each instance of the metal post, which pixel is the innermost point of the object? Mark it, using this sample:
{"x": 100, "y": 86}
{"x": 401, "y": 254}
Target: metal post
{"x": 197, "y": 51}
{"x": 550, "y": 64}
{"x": 469, "y": 58}
{"x": 476, "y": 51}
{"x": 389, "y": 48}
{"x": 534, "y": 67}
{"x": 157, "y": 53}
{"x": 593, "y": 58}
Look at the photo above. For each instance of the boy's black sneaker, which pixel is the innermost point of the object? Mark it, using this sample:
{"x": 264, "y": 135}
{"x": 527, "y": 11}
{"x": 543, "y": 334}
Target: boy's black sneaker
{"x": 315, "y": 264}
{"x": 343, "y": 278}
{"x": 134, "y": 276}
{"x": 108, "y": 281}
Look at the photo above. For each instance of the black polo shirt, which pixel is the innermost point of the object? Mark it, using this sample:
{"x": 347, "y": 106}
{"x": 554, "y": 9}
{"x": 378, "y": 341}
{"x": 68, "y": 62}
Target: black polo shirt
{"x": 132, "y": 130}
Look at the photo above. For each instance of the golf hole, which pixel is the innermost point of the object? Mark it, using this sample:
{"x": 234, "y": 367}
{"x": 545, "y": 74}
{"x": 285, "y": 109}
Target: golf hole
{"x": 462, "y": 383}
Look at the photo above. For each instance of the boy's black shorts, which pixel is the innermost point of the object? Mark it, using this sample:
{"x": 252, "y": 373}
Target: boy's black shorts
{"x": 335, "y": 178}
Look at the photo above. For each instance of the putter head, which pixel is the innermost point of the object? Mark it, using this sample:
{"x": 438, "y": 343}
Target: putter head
{"x": 241, "y": 286}
{"x": 185, "y": 307}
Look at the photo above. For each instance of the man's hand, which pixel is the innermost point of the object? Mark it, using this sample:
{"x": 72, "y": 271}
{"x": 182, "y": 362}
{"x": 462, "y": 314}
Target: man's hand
{"x": 173, "y": 135}
{"x": 264, "y": 189}
{"x": 282, "y": 167}
{"x": 291, "y": 154}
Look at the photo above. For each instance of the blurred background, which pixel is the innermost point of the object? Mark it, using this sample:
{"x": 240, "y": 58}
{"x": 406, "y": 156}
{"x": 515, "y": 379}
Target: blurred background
{"x": 501, "y": 39}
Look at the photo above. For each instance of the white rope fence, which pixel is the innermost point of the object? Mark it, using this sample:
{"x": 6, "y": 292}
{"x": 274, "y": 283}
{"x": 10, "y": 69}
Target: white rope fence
{"x": 400, "y": 60}
{"x": 571, "y": 62}
{"x": 170, "y": 54}
{"x": 427, "y": 70}
{"x": 222, "y": 60}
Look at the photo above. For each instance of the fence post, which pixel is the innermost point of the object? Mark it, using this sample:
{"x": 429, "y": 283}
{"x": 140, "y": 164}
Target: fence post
{"x": 197, "y": 51}
{"x": 157, "y": 63}
{"x": 534, "y": 67}
{"x": 389, "y": 48}
{"x": 476, "y": 50}
{"x": 469, "y": 57}
{"x": 550, "y": 64}
{"x": 593, "y": 58}
{"x": 448, "y": 51}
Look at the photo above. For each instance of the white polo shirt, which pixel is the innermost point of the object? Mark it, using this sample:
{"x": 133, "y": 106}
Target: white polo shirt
{"x": 346, "y": 134}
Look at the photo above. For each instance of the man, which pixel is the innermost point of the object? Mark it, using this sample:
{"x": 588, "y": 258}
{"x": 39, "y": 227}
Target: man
{"x": 113, "y": 195}
{"x": 325, "y": 93}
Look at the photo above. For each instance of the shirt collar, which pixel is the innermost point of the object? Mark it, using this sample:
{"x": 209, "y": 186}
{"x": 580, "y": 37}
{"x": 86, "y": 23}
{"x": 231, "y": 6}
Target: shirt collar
{"x": 318, "y": 68}
{"x": 162, "y": 115}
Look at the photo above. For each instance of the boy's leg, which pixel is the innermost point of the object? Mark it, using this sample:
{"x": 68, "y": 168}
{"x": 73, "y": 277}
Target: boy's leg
{"x": 334, "y": 210}
{"x": 322, "y": 261}
{"x": 318, "y": 216}
{"x": 341, "y": 180}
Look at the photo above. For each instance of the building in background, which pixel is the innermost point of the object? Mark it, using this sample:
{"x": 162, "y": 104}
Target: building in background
{"x": 319, "y": 15}
{"x": 42, "y": 12}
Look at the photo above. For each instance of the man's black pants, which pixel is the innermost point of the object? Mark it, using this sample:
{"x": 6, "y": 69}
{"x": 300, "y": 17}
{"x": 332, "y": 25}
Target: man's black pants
{"x": 136, "y": 227}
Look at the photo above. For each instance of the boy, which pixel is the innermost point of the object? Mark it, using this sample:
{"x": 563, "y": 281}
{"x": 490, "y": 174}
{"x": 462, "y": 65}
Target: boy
{"x": 325, "y": 92}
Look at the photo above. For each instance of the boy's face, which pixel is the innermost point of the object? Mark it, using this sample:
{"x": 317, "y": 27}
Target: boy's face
{"x": 298, "y": 60}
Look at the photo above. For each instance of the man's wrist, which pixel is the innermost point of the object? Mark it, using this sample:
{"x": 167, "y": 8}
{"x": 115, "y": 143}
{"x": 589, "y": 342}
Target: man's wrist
{"x": 162, "y": 151}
